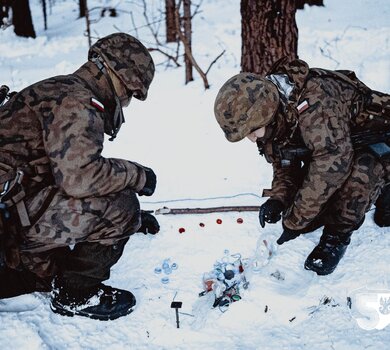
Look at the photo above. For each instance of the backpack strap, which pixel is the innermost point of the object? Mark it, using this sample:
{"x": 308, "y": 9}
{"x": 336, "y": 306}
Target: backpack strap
{"x": 12, "y": 190}
{"x": 13, "y": 194}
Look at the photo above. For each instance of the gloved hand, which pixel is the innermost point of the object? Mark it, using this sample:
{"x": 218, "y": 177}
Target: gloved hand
{"x": 287, "y": 235}
{"x": 150, "y": 184}
{"x": 270, "y": 212}
{"x": 149, "y": 224}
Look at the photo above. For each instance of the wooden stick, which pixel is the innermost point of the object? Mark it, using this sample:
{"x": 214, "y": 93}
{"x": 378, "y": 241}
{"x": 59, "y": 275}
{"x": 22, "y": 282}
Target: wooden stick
{"x": 175, "y": 211}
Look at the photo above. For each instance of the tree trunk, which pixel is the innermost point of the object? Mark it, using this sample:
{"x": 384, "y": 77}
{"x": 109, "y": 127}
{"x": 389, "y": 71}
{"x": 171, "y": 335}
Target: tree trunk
{"x": 170, "y": 21}
{"x": 188, "y": 35}
{"x": 87, "y": 22}
{"x": 21, "y": 19}
{"x": 82, "y": 8}
{"x": 269, "y": 32}
{"x": 301, "y": 3}
{"x": 44, "y": 13}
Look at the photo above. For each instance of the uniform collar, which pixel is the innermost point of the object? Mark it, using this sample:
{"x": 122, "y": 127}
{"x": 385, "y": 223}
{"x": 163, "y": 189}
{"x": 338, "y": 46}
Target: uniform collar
{"x": 97, "y": 83}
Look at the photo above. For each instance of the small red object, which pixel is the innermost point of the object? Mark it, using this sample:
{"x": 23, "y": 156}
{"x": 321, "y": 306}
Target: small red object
{"x": 240, "y": 221}
{"x": 219, "y": 221}
{"x": 201, "y": 224}
{"x": 182, "y": 229}
{"x": 209, "y": 285}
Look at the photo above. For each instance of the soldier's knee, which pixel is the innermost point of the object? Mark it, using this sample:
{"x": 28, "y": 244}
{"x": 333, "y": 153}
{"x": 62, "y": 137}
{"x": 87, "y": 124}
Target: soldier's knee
{"x": 124, "y": 210}
{"x": 126, "y": 200}
{"x": 369, "y": 165}
{"x": 124, "y": 205}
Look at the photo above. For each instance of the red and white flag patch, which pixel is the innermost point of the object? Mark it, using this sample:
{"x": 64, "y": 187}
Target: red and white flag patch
{"x": 97, "y": 104}
{"x": 302, "y": 106}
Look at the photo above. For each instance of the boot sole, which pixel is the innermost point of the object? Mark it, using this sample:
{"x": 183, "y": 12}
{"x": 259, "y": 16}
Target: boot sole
{"x": 64, "y": 312}
{"x": 319, "y": 271}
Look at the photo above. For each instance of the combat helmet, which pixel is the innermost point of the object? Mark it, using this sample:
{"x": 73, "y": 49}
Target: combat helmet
{"x": 246, "y": 102}
{"x": 129, "y": 59}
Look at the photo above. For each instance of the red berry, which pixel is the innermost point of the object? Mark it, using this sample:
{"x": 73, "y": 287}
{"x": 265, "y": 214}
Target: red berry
{"x": 240, "y": 221}
{"x": 181, "y": 230}
{"x": 201, "y": 224}
{"x": 219, "y": 221}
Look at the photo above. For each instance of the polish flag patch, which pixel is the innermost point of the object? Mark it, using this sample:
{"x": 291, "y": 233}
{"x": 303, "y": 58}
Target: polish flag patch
{"x": 302, "y": 107}
{"x": 97, "y": 104}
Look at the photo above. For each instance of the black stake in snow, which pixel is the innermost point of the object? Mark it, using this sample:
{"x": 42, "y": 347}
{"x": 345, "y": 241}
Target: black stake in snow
{"x": 177, "y": 305}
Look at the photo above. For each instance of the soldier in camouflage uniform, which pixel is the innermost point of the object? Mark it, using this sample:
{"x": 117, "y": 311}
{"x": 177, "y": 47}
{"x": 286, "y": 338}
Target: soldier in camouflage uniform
{"x": 332, "y": 185}
{"x": 72, "y": 210}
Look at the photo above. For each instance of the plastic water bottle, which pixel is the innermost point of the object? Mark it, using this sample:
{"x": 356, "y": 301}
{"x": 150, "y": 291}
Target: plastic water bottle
{"x": 166, "y": 268}
{"x": 165, "y": 264}
{"x": 265, "y": 249}
{"x": 226, "y": 256}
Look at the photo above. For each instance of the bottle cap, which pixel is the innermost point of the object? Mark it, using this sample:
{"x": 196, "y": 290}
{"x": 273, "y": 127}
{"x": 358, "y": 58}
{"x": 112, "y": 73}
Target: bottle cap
{"x": 164, "y": 280}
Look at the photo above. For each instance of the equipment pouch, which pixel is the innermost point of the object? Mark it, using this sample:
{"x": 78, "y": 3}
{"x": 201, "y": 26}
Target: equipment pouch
{"x": 375, "y": 113}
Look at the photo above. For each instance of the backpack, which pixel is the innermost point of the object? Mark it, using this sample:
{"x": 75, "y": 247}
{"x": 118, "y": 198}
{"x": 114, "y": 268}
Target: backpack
{"x": 371, "y": 108}
{"x": 13, "y": 178}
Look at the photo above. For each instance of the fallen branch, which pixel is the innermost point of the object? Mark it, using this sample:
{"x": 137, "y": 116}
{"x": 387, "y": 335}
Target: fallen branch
{"x": 175, "y": 211}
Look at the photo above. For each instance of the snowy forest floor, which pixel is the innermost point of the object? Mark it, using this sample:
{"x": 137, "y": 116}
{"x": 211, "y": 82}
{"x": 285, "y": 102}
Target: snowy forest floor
{"x": 175, "y": 133}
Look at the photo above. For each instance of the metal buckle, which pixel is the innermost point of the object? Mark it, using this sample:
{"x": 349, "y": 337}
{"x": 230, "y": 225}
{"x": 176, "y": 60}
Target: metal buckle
{"x": 7, "y": 187}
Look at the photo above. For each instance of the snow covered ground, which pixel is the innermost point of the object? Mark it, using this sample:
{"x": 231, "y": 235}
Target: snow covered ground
{"x": 175, "y": 133}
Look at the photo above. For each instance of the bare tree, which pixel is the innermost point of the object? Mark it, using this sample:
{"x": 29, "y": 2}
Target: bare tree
{"x": 187, "y": 31}
{"x": 21, "y": 18}
{"x": 88, "y": 22}
{"x": 170, "y": 23}
{"x": 82, "y": 8}
{"x": 269, "y": 32}
{"x": 44, "y": 13}
{"x": 184, "y": 38}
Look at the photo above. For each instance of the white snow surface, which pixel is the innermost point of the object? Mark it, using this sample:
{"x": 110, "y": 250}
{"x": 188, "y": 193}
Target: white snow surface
{"x": 175, "y": 133}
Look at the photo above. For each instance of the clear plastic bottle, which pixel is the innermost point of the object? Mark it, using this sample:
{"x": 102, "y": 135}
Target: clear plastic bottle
{"x": 166, "y": 267}
{"x": 265, "y": 249}
{"x": 165, "y": 264}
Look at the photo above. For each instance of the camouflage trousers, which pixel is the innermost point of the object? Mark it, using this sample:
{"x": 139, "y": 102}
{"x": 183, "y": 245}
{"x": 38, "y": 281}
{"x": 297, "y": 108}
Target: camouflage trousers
{"x": 80, "y": 239}
{"x": 346, "y": 209}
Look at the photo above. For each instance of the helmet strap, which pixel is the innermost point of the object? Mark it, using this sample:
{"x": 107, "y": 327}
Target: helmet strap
{"x": 118, "y": 117}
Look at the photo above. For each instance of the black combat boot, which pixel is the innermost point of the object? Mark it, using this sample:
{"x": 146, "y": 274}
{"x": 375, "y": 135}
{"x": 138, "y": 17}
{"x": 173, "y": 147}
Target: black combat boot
{"x": 327, "y": 254}
{"x": 382, "y": 211}
{"x": 101, "y": 302}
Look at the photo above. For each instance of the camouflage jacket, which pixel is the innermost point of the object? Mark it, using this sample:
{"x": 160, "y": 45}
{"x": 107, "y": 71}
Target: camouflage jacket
{"x": 60, "y": 122}
{"x": 318, "y": 113}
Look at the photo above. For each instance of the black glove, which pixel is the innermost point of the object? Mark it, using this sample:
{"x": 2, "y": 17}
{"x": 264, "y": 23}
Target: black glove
{"x": 288, "y": 235}
{"x": 270, "y": 212}
{"x": 150, "y": 184}
{"x": 149, "y": 224}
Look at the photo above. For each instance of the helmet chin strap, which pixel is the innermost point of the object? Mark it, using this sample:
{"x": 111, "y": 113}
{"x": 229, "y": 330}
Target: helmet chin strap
{"x": 118, "y": 118}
